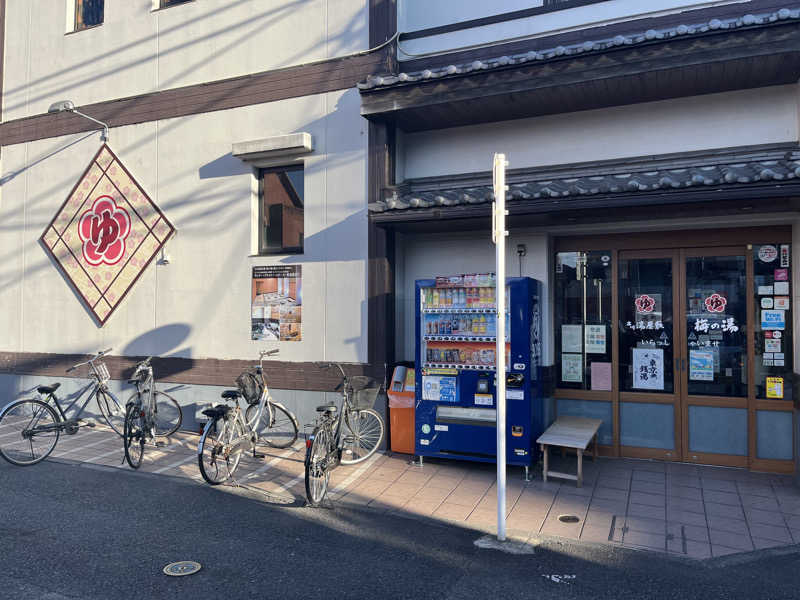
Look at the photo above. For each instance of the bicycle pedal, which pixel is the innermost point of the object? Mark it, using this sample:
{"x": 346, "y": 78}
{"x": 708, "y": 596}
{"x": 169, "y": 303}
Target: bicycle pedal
{"x": 160, "y": 443}
{"x": 259, "y": 455}
{"x": 87, "y": 423}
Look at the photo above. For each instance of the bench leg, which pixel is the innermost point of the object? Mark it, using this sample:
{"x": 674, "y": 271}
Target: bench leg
{"x": 580, "y": 467}
{"x": 545, "y": 459}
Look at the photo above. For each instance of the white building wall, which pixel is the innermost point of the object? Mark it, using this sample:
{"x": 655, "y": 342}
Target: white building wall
{"x": 198, "y": 305}
{"x": 138, "y": 50}
{"x": 759, "y": 116}
{"x": 424, "y": 256}
{"x": 414, "y": 15}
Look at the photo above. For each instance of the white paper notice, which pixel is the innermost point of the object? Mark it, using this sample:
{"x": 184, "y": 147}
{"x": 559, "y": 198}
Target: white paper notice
{"x": 572, "y": 367}
{"x": 781, "y": 288}
{"x": 648, "y": 369}
{"x": 572, "y": 338}
{"x": 765, "y": 290}
{"x": 595, "y": 339}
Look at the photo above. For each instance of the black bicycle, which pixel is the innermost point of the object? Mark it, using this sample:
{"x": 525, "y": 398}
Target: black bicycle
{"x": 345, "y": 435}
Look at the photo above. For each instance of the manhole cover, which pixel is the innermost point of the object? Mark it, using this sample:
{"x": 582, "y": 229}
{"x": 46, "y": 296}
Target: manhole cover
{"x": 568, "y": 519}
{"x": 181, "y": 568}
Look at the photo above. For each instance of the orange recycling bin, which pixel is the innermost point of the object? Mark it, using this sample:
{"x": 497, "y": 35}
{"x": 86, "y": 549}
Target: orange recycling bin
{"x": 401, "y": 410}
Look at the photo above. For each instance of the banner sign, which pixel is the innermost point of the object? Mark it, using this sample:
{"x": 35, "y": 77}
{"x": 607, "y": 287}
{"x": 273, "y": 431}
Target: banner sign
{"x": 105, "y": 234}
{"x": 276, "y": 312}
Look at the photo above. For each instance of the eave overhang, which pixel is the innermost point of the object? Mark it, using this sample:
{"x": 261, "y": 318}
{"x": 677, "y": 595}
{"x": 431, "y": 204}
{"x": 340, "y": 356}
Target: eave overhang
{"x": 721, "y": 55}
{"x": 739, "y": 180}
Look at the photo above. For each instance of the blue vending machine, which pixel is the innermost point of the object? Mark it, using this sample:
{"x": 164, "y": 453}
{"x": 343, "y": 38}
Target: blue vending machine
{"x": 455, "y": 385}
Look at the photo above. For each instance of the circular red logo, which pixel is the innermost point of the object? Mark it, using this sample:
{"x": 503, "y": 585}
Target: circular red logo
{"x": 103, "y": 230}
{"x": 716, "y": 303}
{"x": 645, "y": 304}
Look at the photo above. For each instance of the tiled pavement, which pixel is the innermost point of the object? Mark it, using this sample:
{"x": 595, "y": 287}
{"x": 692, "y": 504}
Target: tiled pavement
{"x": 687, "y": 510}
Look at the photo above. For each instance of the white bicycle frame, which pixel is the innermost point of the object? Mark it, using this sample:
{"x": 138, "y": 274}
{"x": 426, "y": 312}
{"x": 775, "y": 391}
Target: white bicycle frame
{"x": 249, "y": 439}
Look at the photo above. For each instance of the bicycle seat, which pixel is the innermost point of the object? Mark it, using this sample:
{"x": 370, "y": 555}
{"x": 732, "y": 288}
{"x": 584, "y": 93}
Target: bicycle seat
{"x": 48, "y": 389}
{"x": 231, "y": 394}
{"x": 220, "y": 410}
{"x": 327, "y": 408}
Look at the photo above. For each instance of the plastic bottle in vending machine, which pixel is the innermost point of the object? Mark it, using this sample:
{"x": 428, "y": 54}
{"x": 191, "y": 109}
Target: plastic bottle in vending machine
{"x": 435, "y": 299}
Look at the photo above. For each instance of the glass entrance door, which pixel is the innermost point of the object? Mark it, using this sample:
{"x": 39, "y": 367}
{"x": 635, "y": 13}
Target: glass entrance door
{"x": 649, "y": 359}
{"x": 714, "y": 365}
{"x": 683, "y": 368}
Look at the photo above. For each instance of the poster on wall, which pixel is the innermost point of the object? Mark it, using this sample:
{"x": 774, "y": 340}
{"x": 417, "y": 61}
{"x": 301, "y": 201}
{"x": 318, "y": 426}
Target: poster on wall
{"x": 105, "y": 234}
{"x": 701, "y": 365}
{"x": 595, "y": 339}
{"x": 277, "y": 303}
{"x": 775, "y": 387}
{"x": 601, "y": 376}
{"x": 572, "y": 368}
{"x": 648, "y": 369}
{"x": 571, "y": 338}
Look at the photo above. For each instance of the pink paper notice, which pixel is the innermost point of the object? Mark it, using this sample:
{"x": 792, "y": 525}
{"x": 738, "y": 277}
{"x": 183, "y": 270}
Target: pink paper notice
{"x": 601, "y": 376}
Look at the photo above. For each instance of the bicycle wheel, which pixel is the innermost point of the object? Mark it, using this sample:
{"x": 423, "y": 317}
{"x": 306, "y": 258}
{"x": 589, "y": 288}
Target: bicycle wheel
{"x": 168, "y": 416}
{"x": 317, "y": 473}
{"x": 134, "y": 436}
{"x": 112, "y": 412}
{"x": 214, "y": 455}
{"x": 362, "y": 434}
{"x": 29, "y": 430}
{"x": 281, "y": 432}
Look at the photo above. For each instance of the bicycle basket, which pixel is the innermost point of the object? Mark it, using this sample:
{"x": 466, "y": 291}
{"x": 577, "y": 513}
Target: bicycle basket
{"x": 365, "y": 397}
{"x": 250, "y": 387}
{"x": 102, "y": 372}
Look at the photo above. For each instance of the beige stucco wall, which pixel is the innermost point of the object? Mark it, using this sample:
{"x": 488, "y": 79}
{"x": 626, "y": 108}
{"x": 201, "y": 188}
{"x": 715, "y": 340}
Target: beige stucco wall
{"x": 198, "y": 305}
{"x": 138, "y": 50}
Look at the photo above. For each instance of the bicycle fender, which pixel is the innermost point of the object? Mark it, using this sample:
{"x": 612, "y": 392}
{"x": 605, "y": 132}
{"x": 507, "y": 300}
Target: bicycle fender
{"x": 290, "y": 413}
{"x": 206, "y": 429}
{"x": 13, "y": 402}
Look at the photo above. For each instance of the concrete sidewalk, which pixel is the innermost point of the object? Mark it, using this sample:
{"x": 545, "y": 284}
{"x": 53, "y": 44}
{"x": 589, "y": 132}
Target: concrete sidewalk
{"x": 685, "y": 510}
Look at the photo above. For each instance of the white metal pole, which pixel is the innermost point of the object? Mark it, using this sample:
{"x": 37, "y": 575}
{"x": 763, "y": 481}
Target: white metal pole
{"x": 499, "y": 234}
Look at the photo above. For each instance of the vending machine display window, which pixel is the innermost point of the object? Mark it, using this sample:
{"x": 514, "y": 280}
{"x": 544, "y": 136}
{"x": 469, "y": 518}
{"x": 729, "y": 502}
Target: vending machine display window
{"x": 583, "y": 320}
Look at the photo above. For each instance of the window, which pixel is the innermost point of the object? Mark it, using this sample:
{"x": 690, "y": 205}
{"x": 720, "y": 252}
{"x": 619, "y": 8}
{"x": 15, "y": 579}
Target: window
{"x": 773, "y": 323}
{"x": 88, "y": 13}
{"x": 280, "y": 215}
{"x": 583, "y": 320}
{"x": 168, "y": 3}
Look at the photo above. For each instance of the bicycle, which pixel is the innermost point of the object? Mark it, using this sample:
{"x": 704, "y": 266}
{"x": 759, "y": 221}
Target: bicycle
{"x": 328, "y": 446}
{"x": 228, "y": 434}
{"x": 144, "y": 418}
{"x": 25, "y": 421}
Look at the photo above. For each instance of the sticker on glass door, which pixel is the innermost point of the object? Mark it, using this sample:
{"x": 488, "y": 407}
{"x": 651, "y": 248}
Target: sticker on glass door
{"x": 648, "y": 369}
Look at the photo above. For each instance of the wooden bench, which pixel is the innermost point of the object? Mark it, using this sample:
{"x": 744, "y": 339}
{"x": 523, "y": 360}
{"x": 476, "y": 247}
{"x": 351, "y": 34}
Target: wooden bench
{"x": 569, "y": 432}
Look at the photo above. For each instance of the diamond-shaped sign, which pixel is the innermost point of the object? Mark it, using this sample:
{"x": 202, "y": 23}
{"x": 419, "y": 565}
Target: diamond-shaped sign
{"x": 105, "y": 234}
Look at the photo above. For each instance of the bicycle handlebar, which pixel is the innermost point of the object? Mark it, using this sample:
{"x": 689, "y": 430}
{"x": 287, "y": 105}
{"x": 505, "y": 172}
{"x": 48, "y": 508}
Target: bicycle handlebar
{"x": 91, "y": 360}
{"x": 264, "y": 353}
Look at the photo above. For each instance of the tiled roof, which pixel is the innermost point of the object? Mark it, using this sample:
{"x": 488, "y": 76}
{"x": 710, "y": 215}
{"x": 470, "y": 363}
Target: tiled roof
{"x": 666, "y": 175}
{"x": 544, "y": 54}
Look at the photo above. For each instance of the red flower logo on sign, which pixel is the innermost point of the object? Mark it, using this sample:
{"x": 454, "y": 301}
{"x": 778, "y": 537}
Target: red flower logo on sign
{"x": 103, "y": 230}
{"x": 645, "y": 304}
{"x": 715, "y": 303}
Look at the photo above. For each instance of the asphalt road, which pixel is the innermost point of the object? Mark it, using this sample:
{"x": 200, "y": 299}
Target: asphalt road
{"x": 79, "y": 532}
